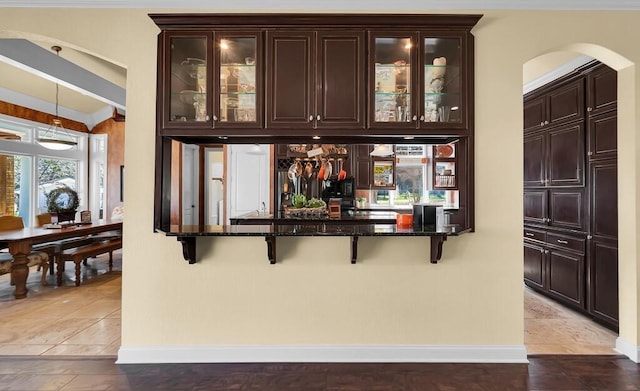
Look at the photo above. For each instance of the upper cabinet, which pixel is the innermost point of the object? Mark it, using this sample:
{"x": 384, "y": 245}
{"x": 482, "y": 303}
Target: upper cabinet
{"x": 223, "y": 77}
{"x": 602, "y": 91}
{"x": 418, "y": 80}
{"x": 238, "y": 75}
{"x": 562, "y": 104}
{"x": 315, "y": 80}
{"x": 185, "y": 87}
{"x": 212, "y": 80}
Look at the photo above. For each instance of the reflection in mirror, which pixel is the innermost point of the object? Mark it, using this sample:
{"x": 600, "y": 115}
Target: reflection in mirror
{"x": 212, "y": 183}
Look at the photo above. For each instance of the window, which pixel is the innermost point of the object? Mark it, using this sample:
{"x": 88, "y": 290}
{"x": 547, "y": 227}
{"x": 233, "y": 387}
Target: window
{"x": 413, "y": 180}
{"x": 54, "y": 173}
{"x": 29, "y": 171}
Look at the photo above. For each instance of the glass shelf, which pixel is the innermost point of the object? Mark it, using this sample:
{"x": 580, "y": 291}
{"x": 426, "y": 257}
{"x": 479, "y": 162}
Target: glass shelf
{"x": 392, "y": 66}
{"x": 237, "y": 66}
{"x": 382, "y": 93}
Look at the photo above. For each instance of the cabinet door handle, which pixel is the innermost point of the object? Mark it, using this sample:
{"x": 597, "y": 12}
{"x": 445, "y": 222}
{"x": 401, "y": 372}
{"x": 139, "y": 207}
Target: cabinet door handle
{"x": 415, "y": 117}
{"x": 206, "y": 118}
{"x": 590, "y": 153}
{"x": 541, "y": 251}
{"x": 546, "y": 122}
{"x": 310, "y": 118}
{"x": 318, "y": 117}
{"x": 589, "y": 237}
{"x": 215, "y": 117}
{"x": 529, "y": 234}
{"x": 546, "y": 251}
{"x": 422, "y": 118}
{"x": 547, "y": 220}
{"x": 589, "y": 109}
{"x": 562, "y": 241}
{"x": 541, "y": 123}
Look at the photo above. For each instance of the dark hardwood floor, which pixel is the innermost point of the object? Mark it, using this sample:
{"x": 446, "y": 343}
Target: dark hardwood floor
{"x": 544, "y": 373}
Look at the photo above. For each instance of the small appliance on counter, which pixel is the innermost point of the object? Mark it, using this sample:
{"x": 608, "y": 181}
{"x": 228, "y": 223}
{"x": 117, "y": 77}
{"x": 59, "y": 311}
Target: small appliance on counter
{"x": 344, "y": 189}
{"x": 428, "y": 215}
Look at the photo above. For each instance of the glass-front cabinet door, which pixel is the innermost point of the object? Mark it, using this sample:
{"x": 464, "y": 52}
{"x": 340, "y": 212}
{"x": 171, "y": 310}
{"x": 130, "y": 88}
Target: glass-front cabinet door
{"x": 417, "y": 81}
{"x": 442, "y": 81}
{"x": 392, "y": 80}
{"x": 186, "y": 100}
{"x": 238, "y": 80}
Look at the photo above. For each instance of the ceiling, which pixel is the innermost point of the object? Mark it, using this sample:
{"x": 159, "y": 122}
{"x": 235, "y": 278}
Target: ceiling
{"x": 22, "y": 85}
{"x": 90, "y": 88}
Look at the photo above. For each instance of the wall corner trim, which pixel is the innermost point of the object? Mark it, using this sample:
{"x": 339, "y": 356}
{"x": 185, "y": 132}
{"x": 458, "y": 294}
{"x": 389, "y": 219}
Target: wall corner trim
{"x": 324, "y": 353}
{"x": 628, "y": 349}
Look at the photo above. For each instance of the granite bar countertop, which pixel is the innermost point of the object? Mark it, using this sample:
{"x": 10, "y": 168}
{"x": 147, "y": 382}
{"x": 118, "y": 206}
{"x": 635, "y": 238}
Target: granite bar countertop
{"x": 347, "y": 217}
{"x": 313, "y": 229}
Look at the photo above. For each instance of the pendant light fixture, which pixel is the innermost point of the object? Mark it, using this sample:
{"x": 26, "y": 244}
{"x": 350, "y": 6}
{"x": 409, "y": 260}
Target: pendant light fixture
{"x": 381, "y": 150}
{"x": 56, "y": 136}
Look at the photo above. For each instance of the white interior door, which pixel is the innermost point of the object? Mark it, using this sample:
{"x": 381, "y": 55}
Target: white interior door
{"x": 190, "y": 177}
{"x": 214, "y": 188}
{"x": 248, "y": 179}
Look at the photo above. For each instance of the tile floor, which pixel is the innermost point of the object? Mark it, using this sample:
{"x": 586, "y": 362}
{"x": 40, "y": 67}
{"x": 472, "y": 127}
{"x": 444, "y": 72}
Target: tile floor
{"x": 66, "y": 320}
{"x": 85, "y": 320}
{"x": 551, "y": 328}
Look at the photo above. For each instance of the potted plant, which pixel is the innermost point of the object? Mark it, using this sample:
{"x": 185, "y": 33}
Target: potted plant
{"x": 63, "y": 202}
{"x": 361, "y": 202}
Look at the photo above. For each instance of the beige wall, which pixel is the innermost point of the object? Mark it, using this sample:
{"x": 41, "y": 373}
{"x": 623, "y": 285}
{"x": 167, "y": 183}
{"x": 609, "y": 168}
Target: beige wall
{"x": 232, "y": 296}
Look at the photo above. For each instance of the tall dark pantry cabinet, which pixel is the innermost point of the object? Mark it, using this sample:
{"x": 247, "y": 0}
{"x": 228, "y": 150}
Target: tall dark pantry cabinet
{"x": 570, "y": 191}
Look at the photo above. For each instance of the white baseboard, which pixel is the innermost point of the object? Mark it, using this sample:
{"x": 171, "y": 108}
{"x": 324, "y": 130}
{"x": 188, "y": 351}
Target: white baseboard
{"x": 628, "y": 349}
{"x": 324, "y": 353}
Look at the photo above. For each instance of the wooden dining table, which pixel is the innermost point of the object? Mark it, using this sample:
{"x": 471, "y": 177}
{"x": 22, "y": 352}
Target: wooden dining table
{"x": 21, "y": 241}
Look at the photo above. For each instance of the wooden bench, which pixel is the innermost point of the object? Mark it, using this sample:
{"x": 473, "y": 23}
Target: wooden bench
{"x": 79, "y": 254}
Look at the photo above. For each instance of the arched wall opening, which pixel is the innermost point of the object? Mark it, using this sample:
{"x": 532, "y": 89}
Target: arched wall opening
{"x": 627, "y": 174}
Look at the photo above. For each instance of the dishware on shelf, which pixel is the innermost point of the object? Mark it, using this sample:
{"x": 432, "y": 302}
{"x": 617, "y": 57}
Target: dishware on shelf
{"x": 444, "y": 151}
{"x": 443, "y": 113}
{"x": 249, "y": 60}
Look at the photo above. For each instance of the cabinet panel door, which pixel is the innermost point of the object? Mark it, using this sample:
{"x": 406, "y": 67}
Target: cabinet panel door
{"x": 534, "y": 160}
{"x": 602, "y": 92}
{"x": 238, "y": 87}
{"x": 603, "y": 140}
{"x": 565, "y": 276}
{"x": 603, "y": 279}
{"x": 290, "y": 91}
{"x": 565, "y": 159}
{"x": 566, "y": 208}
{"x": 535, "y": 206}
{"x": 393, "y": 86}
{"x": 535, "y": 113}
{"x": 186, "y": 78}
{"x": 341, "y": 91}
{"x": 604, "y": 200}
{"x": 566, "y": 103}
{"x": 534, "y": 265}
{"x": 363, "y": 166}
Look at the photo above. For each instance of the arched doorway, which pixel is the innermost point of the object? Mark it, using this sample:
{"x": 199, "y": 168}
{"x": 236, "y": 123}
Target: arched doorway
{"x": 555, "y": 58}
{"x": 102, "y": 155}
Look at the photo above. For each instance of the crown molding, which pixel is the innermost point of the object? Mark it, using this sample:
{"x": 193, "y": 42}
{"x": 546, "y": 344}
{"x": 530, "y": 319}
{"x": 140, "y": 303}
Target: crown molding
{"x": 328, "y": 5}
{"x": 556, "y": 73}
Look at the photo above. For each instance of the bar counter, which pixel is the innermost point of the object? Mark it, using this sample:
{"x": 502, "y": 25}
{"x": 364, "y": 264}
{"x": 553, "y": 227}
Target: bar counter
{"x": 347, "y": 217}
{"x": 187, "y": 234}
